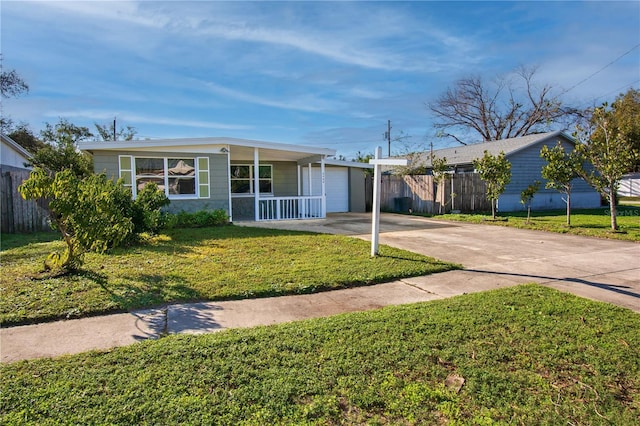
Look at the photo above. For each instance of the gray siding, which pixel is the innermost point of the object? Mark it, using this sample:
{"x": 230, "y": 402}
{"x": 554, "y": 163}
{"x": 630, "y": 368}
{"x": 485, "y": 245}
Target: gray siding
{"x": 285, "y": 179}
{"x": 526, "y": 167}
{"x": 107, "y": 162}
{"x": 357, "y": 191}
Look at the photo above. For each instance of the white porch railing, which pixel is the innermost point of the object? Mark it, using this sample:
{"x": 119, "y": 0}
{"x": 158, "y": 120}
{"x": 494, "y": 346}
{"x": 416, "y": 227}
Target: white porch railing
{"x": 286, "y": 208}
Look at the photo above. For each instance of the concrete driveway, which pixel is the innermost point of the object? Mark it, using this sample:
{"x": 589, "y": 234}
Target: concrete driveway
{"x": 496, "y": 256}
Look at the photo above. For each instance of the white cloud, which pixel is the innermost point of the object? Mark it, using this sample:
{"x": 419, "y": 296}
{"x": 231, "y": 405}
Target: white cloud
{"x": 144, "y": 119}
{"x": 307, "y": 102}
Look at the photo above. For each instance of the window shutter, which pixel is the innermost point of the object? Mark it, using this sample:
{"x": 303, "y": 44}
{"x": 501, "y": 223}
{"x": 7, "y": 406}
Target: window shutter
{"x": 125, "y": 163}
{"x": 203, "y": 177}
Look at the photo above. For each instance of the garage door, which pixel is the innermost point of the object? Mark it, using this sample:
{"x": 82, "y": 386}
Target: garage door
{"x": 336, "y": 184}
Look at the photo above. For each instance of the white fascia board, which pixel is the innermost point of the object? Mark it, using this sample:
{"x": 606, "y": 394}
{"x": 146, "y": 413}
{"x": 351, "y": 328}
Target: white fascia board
{"x": 181, "y": 145}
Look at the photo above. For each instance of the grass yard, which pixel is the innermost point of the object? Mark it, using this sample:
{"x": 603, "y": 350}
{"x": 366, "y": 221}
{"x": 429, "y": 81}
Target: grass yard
{"x": 589, "y": 222}
{"x": 527, "y": 355}
{"x": 182, "y": 265}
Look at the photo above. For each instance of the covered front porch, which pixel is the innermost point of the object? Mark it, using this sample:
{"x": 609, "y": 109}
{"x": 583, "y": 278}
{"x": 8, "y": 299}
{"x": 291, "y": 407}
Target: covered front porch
{"x": 267, "y": 184}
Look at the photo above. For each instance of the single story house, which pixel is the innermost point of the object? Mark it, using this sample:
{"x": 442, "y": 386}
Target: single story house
{"x": 526, "y": 167}
{"x": 250, "y": 180}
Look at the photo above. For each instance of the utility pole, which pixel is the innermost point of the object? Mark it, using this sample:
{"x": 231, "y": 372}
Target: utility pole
{"x": 114, "y": 129}
{"x": 389, "y": 136}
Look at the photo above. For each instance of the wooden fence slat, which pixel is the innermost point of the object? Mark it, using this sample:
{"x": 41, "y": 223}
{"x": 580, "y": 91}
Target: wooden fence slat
{"x": 19, "y": 215}
{"x": 469, "y": 190}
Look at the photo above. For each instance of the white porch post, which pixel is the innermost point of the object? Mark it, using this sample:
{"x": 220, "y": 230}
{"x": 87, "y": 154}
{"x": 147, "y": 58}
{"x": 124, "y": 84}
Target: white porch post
{"x": 229, "y": 183}
{"x": 324, "y": 191}
{"x": 375, "y": 220}
{"x": 309, "y": 182}
{"x": 256, "y": 182}
{"x": 299, "y": 181}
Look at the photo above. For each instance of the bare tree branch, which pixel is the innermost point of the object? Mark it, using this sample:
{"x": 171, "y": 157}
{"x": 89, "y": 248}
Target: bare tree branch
{"x": 504, "y": 108}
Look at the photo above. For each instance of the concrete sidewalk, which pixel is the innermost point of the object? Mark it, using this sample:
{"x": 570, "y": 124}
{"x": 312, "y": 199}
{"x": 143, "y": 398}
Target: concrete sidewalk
{"x": 494, "y": 257}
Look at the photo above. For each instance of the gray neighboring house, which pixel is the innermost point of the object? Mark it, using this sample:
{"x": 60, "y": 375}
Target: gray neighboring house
{"x": 526, "y": 165}
{"x": 250, "y": 180}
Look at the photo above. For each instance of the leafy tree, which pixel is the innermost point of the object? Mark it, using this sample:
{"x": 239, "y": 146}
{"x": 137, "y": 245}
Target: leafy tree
{"x": 23, "y": 136}
{"x": 106, "y": 132}
{"x": 61, "y": 151}
{"x": 560, "y": 171}
{"x": 11, "y": 84}
{"x": 526, "y": 197}
{"x": 496, "y": 172}
{"x": 609, "y": 146}
{"x": 88, "y": 212}
{"x": 364, "y": 158}
{"x": 499, "y": 110}
{"x": 439, "y": 169}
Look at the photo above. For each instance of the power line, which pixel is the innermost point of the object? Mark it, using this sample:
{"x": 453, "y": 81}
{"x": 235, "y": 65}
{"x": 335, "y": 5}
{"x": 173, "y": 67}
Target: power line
{"x": 603, "y": 68}
{"x": 616, "y": 90}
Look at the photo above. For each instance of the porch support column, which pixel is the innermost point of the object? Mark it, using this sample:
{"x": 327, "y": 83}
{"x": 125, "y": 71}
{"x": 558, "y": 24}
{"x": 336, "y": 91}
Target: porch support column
{"x": 256, "y": 182}
{"x": 310, "y": 182}
{"x": 324, "y": 191}
{"x": 299, "y": 181}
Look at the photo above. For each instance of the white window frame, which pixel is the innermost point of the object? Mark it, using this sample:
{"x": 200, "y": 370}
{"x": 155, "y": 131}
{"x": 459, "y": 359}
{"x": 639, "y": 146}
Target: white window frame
{"x": 251, "y": 179}
{"x": 201, "y": 177}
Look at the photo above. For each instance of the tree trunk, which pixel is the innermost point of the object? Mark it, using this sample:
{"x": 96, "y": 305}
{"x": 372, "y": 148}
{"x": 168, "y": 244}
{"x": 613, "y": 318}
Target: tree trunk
{"x": 528, "y": 214}
{"x": 612, "y": 208}
{"x": 493, "y": 209}
{"x": 568, "y": 208}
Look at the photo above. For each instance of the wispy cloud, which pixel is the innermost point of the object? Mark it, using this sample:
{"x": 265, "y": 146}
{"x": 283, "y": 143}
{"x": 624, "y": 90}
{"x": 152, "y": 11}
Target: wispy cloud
{"x": 145, "y": 119}
{"x": 307, "y": 102}
{"x": 347, "y": 43}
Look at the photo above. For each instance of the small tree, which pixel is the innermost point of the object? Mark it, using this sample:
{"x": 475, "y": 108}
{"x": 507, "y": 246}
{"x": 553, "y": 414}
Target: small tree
{"x": 609, "y": 148}
{"x": 560, "y": 171}
{"x": 496, "y": 172}
{"x": 526, "y": 197}
{"x": 61, "y": 152}
{"x": 89, "y": 212}
{"x": 439, "y": 169}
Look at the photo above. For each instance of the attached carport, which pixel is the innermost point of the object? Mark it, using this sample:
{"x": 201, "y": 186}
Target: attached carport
{"x": 344, "y": 185}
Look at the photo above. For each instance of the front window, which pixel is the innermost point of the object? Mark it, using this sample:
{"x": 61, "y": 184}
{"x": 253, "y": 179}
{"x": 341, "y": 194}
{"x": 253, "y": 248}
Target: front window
{"x": 174, "y": 176}
{"x": 243, "y": 175}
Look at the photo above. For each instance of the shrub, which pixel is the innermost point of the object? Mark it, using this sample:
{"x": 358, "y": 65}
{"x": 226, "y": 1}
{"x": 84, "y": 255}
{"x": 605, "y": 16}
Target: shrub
{"x": 198, "y": 219}
{"x": 145, "y": 209}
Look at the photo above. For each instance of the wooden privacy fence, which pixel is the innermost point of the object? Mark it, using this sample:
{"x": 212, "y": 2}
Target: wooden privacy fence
{"x": 416, "y": 192}
{"x": 19, "y": 215}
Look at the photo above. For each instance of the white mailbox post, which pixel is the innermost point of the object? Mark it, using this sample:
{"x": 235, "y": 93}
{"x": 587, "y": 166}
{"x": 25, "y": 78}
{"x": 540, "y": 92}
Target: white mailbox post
{"x": 375, "y": 215}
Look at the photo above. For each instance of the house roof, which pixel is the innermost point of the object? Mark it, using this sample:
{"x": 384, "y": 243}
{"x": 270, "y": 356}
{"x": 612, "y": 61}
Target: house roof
{"x": 466, "y": 154}
{"x": 239, "y": 149}
{"x": 15, "y": 146}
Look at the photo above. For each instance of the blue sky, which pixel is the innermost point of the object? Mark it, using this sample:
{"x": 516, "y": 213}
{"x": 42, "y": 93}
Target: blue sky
{"x": 328, "y": 74}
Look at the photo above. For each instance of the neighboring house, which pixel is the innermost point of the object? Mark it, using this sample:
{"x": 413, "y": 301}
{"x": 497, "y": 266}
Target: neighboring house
{"x": 291, "y": 182}
{"x": 13, "y": 156}
{"x": 526, "y": 165}
{"x": 629, "y": 185}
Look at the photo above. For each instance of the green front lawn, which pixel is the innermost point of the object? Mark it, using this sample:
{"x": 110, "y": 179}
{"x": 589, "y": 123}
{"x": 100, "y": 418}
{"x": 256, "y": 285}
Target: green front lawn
{"x": 190, "y": 265}
{"x": 522, "y": 355}
{"x": 589, "y": 222}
